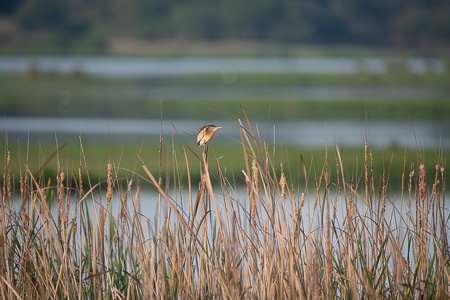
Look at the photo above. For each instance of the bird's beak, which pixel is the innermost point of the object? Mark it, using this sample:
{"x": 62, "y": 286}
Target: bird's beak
{"x": 217, "y": 128}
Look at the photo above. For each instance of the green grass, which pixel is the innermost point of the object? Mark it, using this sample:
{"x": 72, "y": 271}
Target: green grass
{"x": 66, "y": 96}
{"x": 282, "y": 239}
{"x": 96, "y": 43}
{"x": 127, "y": 156}
{"x": 294, "y": 79}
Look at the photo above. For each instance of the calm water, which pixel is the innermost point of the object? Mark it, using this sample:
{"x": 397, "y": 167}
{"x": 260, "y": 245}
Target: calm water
{"x": 305, "y": 133}
{"x": 309, "y": 133}
{"x": 147, "y": 67}
{"x": 151, "y": 206}
{"x": 228, "y": 69}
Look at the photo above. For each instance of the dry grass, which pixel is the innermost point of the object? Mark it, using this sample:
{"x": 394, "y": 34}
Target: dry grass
{"x": 337, "y": 235}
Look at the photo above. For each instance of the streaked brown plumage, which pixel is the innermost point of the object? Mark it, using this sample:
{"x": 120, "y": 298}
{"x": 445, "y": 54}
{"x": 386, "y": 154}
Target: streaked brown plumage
{"x": 205, "y": 134}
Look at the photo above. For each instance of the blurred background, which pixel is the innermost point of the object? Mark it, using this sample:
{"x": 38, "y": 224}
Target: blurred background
{"x": 308, "y": 73}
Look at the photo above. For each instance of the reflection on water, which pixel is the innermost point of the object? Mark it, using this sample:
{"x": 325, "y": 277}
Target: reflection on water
{"x": 305, "y": 133}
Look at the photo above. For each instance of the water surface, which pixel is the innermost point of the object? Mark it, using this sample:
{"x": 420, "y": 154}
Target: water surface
{"x": 303, "y": 133}
{"x": 152, "y": 67}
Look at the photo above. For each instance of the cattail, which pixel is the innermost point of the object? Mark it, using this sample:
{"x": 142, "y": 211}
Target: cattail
{"x": 80, "y": 181}
{"x": 411, "y": 176}
{"x": 366, "y": 176}
{"x": 255, "y": 189}
{"x": 298, "y": 214}
{"x": 123, "y": 209}
{"x": 302, "y": 200}
{"x": 109, "y": 183}
{"x": 255, "y": 176}
{"x": 8, "y": 176}
{"x": 123, "y": 212}
{"x": 422, "y": 182}
{"x": 74, "y": 235}
{"x": 435, "y": 184}
{"x": 220, "y": 238}
{"x": 74, "y": 226}
{"x": 334, "y": 208}
{"x": 59, "y": 186}
{"x": 23, "y": 203}
{"x": 283, "y": 183}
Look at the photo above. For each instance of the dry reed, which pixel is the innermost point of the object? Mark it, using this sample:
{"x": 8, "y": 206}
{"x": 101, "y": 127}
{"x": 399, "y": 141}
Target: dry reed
{"x": 277, "y": 241}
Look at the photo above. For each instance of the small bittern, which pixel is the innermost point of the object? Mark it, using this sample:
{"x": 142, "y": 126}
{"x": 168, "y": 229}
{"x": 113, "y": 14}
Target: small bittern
{"x": 205, "y": 134}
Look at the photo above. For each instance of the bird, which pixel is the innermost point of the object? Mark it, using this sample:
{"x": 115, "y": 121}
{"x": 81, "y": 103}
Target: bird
{"x": 205, "y": 134}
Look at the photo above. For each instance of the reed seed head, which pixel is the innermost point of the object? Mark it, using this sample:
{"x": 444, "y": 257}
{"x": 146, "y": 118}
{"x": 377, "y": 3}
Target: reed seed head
{"x": 422, "y": 182}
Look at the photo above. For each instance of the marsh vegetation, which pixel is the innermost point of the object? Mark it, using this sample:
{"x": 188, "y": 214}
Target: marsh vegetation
{"x": 325, "y": 234}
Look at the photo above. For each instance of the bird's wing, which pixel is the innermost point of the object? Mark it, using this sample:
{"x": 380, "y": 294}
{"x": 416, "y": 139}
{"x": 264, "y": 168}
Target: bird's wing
{"x": 201, "y": 134}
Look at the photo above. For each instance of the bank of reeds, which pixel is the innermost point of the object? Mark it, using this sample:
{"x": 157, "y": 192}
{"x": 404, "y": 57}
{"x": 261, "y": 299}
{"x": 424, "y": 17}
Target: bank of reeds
{"x": 337, "y": 235}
